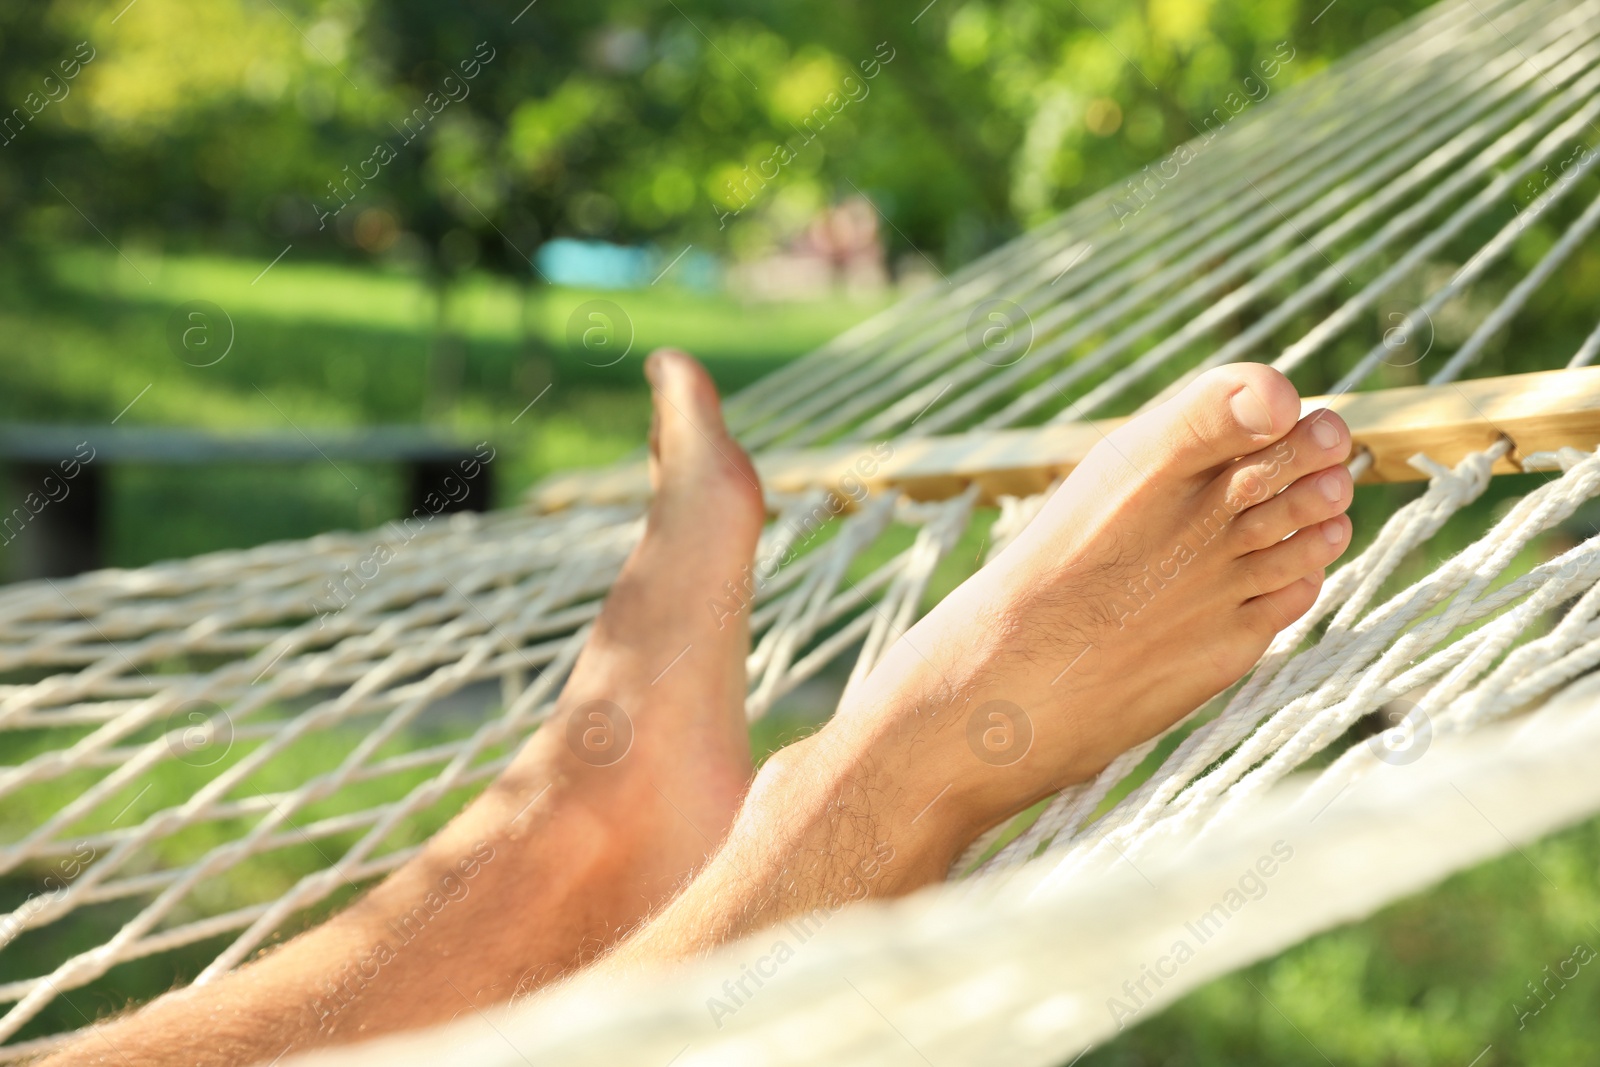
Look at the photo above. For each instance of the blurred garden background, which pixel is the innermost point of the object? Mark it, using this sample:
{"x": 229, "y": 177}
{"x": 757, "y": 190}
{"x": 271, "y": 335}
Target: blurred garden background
{"x": 393, "y": 212}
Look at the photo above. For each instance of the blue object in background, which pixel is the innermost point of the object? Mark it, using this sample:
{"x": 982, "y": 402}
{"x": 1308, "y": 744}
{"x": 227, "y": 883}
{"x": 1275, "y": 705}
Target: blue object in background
{"x": 594, "y": 264}
{"x": 601, "y": 265}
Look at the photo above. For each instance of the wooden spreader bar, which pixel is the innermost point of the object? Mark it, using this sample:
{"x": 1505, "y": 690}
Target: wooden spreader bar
{"x": 1539, "y": 412}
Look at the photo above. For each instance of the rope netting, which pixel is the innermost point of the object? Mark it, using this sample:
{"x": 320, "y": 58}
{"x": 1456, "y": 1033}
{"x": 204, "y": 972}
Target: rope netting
{"x": 1217, "y": 858}
{"x": 204, "y": 755}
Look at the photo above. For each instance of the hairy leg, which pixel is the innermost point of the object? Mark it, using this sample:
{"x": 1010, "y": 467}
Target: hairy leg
{"x": 1152, "y": 580}
{"x": 601, "y": 818}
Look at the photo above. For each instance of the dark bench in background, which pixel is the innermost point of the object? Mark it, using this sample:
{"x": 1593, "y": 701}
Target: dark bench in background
{"x": 65, "y": 536}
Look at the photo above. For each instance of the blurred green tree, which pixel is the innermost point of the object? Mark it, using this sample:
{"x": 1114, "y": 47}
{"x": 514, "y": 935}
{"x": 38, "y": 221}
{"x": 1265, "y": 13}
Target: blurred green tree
{"x": 353, "y": 128}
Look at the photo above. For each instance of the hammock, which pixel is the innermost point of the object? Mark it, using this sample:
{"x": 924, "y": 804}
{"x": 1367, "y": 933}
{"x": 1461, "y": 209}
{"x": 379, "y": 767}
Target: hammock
{"x": 203, "y": 754}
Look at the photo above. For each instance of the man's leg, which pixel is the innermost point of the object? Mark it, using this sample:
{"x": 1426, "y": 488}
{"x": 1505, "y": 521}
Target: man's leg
{"x": 1152, "y": 580}
{"x": 603, "y": 815}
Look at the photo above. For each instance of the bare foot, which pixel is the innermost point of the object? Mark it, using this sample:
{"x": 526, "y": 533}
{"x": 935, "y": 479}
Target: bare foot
{"x": 637, "y": 775}
{"x": 606, "y": 811}
{"x": 1152, "y": 580}
{"x": 650, "y": 727}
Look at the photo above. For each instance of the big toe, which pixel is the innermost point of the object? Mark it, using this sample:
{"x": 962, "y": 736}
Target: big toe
{"x": 1225, "y": 413}
{"x": 691, "y": 450}
{"x": 687, "y": 413}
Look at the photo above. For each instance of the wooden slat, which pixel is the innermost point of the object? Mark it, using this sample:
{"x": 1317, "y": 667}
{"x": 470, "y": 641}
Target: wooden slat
{"x": 1539, "y": 412}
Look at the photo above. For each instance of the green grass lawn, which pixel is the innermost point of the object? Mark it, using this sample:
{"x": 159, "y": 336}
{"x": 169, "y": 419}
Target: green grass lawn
{"x": 1435, "y": 979}
{"x": 1438, "y": 979}
{"x": 84, "y": 332}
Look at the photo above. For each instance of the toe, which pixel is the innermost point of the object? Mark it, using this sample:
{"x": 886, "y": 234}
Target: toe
{"x": 1312, "y": 549}
{"x": 687, "y": 410}
{"x": 696, "y": 467}
{"x": 1310, "y": 500}
{"x": 1276, "y": 610}
{"x": 1225, "y": 413}
{"x": 686, "y": 428}
{"x": 1318, "y": 441}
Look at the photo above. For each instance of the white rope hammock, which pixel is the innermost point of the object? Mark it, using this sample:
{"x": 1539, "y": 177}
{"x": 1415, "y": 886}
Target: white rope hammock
{"x": 197, "y": 757}
{"x": 1034, "y": 967}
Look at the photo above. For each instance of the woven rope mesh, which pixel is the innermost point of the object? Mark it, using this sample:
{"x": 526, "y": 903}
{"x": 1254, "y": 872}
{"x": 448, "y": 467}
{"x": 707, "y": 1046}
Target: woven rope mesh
{"x": 202, "y": 756}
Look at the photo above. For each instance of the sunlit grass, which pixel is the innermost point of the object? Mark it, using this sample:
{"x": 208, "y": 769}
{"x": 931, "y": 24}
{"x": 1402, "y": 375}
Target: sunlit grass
{"x": 84, "y": 339}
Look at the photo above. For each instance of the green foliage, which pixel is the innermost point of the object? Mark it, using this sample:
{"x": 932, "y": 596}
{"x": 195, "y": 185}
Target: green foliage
{"x": 238, "y": 125}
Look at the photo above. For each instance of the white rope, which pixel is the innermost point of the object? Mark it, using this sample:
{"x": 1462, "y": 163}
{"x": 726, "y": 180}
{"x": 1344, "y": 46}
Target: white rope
{"x": 1518, "y": 60}
{"x": 485, "y": 599}
{"x": 1305, "y": 115}
{"x": 1361, "y": 181}
{"x": 975, "y": 971}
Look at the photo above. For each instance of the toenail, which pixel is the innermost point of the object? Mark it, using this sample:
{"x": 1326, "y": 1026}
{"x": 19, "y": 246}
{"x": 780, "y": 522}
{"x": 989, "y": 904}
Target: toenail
{"x": 1324, "y": 433}
{"x": 1332, "y": 487}
{"x": 1251, "y": 412}
{"x": 1333, "y": 531}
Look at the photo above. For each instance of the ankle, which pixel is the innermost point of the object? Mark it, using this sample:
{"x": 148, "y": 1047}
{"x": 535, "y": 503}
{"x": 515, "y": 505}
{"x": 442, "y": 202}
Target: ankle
{"x": 842, "y": 791}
